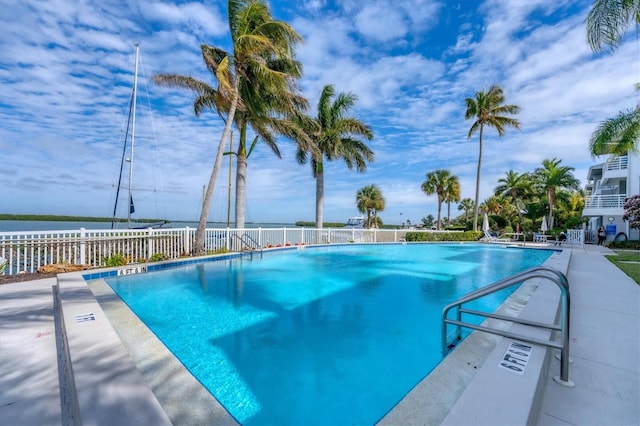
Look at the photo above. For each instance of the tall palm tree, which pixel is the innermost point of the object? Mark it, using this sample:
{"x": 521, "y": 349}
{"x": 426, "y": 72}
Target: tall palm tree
{"x": 437, "y": 183}
{"x": 452, "y": 195}
{"x": 335, "y": 136}
{"x": 258, "y": 44}
{"x": 369, "y": 200}
{"x": 551, "y": 178}
{"x": 269, "y": 108}
{"x": 488, "y": 109}
{"x": 609, "y": 20}
{"x": 467, "y": 205}
{"x": 515, "y": 185}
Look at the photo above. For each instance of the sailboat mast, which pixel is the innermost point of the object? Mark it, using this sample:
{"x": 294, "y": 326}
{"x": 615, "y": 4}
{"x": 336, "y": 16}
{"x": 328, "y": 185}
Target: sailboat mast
{"x": 133, "y": 133}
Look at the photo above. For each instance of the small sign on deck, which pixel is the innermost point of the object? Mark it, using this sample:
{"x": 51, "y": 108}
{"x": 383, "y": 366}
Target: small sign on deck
{"x": 86, "y": 317}
{"x": 516, "y": 357}
{"x": 132, "y": 270}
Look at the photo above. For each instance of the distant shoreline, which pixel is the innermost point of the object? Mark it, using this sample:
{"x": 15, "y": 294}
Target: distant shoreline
{"x": 61, "y": 218}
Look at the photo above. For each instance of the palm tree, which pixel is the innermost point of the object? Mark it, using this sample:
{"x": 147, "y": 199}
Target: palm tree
{"x": 259, "y": 46}
{"x": 515, "y": 185}
{"x": 370, "y": 200}
{"x": 437, "y": 182}
{"x": 488, "y": 109}
{"x": 335, "y": 136}
{"x": 467, "y": 205}
{"x": 452, "y": 194}
{"x": 494, "y": 205}
{"x": 608, "y": 20}
{"x": 551, "y": 178}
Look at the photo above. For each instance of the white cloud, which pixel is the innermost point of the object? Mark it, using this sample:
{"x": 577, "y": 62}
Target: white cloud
{"x": 66, "y": 74}
{"x": 376, "y": 21}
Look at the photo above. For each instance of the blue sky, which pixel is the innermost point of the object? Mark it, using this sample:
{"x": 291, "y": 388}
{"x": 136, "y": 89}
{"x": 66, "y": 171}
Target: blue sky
{"x": 66, "y": 72}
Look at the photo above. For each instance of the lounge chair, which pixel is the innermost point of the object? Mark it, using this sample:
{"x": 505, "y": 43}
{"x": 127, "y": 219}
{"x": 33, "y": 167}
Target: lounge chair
{"x": 491, "y": 239}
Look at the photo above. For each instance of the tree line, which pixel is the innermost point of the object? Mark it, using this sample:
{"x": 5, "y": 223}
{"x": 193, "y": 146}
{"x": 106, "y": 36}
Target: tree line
{"x": 520, "y": 200}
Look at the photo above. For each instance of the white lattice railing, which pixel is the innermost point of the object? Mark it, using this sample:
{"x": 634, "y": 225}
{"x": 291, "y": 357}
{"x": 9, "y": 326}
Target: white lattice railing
{"x": 618, "y": 163}
{"x": 604, "y": 201}
{"x": 28, "y": 251}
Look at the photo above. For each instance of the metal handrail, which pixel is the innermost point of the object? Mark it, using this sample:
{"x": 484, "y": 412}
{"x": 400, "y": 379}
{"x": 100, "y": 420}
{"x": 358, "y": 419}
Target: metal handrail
{"x": 248, "y": 237}
{"x": 551, "y": 274}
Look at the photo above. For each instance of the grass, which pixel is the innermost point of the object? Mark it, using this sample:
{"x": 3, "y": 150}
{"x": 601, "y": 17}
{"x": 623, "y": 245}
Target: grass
{"x": 628, "y": 262}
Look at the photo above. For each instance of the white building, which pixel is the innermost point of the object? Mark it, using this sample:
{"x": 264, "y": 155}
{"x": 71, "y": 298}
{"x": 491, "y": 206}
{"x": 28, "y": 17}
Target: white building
{"x": 608, "y": 184}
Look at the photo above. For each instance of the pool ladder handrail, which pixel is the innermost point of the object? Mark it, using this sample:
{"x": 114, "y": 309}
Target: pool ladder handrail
{"x": 550, "y": 274}
{"x": 247, "y": 237}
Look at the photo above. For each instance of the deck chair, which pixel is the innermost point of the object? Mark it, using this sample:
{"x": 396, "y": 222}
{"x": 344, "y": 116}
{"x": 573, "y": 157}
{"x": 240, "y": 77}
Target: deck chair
{"x": 491, "y": 239}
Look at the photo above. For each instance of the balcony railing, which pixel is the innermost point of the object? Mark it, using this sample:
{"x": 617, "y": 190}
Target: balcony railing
{"x": 617, "y": 163}
{"x": 604, "y": 201}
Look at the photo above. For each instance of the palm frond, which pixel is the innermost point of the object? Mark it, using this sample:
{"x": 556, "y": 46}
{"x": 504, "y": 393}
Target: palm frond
{"x": 608, "y": 20}
{"x": 617, "y": 135}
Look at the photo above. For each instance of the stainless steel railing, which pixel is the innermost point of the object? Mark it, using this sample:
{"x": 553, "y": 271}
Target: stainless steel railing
{"x": 245, "y": 240}
{"x": 550, "y": 274}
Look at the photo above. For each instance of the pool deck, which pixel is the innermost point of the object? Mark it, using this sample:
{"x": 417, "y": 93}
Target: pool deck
{"x": 605, "y": 348}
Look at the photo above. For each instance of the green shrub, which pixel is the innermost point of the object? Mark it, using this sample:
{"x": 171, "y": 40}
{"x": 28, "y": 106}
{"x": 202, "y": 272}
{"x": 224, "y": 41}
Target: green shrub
{"x": 158, "y": 257}
{"x": 115, "y": 260}
{"x": 442, "y": 236}
{"x": 499, "y": 221}
{"x": 219, "y": 250}
{"x": 634, "y": 245}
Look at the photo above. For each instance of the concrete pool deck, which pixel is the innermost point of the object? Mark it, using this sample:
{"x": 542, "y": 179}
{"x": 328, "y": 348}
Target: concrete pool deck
{"x": 605, "y": 347}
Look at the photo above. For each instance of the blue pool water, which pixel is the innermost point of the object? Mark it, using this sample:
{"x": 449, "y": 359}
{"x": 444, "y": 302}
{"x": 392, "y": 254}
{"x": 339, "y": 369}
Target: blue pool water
{"x": 334, "y": 335}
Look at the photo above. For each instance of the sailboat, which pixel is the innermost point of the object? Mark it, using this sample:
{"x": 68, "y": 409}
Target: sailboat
{"x": 131, "y": 125}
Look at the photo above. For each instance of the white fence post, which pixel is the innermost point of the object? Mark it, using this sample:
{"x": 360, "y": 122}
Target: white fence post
{"x": 83, "y": 246}
{"x": 150, "y": 243}
{"x": 186, "y": 240}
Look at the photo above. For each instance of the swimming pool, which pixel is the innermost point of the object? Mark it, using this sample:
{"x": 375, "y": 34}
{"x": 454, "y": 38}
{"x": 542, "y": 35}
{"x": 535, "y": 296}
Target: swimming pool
{"x": 334, "y": 335}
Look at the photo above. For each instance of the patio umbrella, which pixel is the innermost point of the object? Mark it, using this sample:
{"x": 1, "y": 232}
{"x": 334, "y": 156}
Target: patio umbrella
{"x": 485, "y": 223}
{"x": 543, "y": 226}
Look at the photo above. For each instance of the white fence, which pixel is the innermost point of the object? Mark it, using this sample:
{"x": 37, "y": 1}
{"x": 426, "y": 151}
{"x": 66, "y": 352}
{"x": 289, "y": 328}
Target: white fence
{"x": 28, "y": 251}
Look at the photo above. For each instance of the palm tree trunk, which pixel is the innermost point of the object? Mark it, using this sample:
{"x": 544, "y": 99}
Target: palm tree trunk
{"x": 319, "y": 199}
{"x": 198, "y": 245}
{"x": 241, "y": 190}
{"x": 552, "y": 200}
{"x": 319, "y": 194}
{"x": 448, "y": 213}
{"x": 439, "y": 209}
{"x": 241, "y": 178}
{"x": 475, "y": 208}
